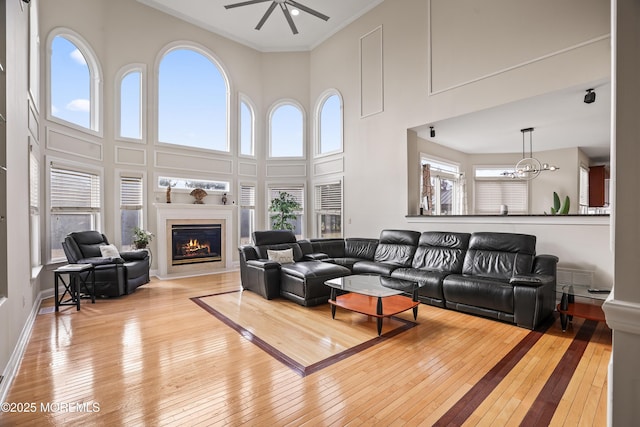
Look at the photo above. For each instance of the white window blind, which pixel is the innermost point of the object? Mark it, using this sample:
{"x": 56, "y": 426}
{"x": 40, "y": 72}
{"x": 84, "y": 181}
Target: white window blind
{"x": 328, "y": 198}
{"x": 489, "y": 195}
{"x": 34, "y": 184}
{"x": 247, "y": 196}
{"x": 296, "y": 191}
{"x": 130, "y": 192}
{"x": 74, "y": 190}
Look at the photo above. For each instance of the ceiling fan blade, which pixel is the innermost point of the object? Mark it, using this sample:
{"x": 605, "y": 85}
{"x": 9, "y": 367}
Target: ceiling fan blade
{"x": 308, "y": 10}
{"x": 266, "y": 15}
{"x": 244, "y": 3}
{"x": 287, "y": 15}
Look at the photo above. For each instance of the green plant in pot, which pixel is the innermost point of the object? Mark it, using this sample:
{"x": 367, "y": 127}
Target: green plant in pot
{"x": 141, "y": 238}
{"x": 283, "y": 208}
{"x": 558, "y": 209}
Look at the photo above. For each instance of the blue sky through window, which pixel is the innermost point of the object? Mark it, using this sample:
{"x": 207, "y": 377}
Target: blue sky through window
{"x": 331, "y": 125}
{"x": 130, "y": 105}
{"x": 286, "y": 132}
{"x": 70, "y": 83}
{"x": 192, "y": 101}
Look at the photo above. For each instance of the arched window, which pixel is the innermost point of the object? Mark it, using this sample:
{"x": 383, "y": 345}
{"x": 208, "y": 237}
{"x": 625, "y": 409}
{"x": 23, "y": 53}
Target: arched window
{"x": 193, "y": 95}
{"x": 246, "y": 128}
{"x": 130, "y": 98}
{"x": 74, "y": 81}
{"x": 329, "y": 123}
{"x": 286, "y": 130}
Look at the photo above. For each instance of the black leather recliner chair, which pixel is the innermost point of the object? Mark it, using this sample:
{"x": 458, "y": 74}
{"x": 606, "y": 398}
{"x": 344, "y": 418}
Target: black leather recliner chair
{"x": 114, "y": 276}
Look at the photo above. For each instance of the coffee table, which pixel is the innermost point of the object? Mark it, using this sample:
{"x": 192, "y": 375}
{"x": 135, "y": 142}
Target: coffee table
{"x": 373, "y": 295}
{"x": 568, "y": 306}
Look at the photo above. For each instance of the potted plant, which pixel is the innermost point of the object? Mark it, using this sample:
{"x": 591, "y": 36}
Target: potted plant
{"x": 284, "y": 208}
{"x": 141, "y": 238}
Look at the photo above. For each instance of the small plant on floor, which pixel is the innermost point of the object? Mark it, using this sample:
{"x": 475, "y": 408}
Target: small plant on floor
{"x": 284, "y": 208}
{"x": 141, "y": 238}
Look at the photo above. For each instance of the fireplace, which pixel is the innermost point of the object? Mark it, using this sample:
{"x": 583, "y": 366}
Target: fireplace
{"x": 196, "y": 243}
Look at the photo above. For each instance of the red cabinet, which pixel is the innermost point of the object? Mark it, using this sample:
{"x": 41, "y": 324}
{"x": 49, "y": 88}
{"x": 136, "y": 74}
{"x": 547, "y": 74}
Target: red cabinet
{"x": 598, "y": 186}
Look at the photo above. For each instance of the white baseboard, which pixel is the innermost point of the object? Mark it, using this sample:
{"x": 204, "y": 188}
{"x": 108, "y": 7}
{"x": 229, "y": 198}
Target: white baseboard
{"x": 21, "y": 346}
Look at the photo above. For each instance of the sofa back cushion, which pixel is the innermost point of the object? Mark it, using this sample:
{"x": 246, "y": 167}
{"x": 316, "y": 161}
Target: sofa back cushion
{"x": 499, "y": 255}
{"x": 334, "y": 248}
{"x": 441, "y": 251}
{"x": 397, "y": 247}
{"x": 88, "y": 243}
{"x": 360, "y": 248}
{"x": 277, "y": 240}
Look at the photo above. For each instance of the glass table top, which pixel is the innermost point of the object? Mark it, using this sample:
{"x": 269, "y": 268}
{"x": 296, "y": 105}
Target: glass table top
{"x": 371, "y": 285}
{"x": 581, "y": 291}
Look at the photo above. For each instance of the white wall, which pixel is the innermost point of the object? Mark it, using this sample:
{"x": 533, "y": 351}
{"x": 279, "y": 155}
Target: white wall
{"x": 21, "y": 290}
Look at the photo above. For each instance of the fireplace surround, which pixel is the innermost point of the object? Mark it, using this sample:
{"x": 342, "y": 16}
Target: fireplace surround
{"x": 204, "y": 243}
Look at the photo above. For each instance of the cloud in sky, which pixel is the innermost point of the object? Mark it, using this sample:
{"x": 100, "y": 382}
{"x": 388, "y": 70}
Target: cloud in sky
{"x": 79, "y": 105}
{"x": 77, "y": 56}
{"x": 54, "y": 110}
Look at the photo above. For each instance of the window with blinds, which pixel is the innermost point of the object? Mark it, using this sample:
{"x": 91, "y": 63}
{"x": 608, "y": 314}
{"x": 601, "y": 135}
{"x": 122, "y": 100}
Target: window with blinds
{"x": 297, "y": 191}
{"x": 75, "y": 205}
{"x": 490, "y": 195}
{"x": 131, "y": 205}
{"x": 34, "y": 209}
{"x": 247, "y": 212}
{"x": 328, "y": 210}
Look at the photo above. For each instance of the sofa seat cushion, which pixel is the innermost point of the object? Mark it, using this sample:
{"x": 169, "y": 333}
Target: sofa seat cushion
{"x": 345, "y": 262}
{"x": 478, "y": 291}
{"x": 317, "y": 270}
{"x": 373, "y": 267}
{"x": 429, "y": 282}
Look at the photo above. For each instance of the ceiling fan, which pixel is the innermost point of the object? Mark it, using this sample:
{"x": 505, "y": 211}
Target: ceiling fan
{"x": 283, "y": 5}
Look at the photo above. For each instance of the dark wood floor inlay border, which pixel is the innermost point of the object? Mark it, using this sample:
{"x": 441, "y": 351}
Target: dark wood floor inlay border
{"x": 463, "y": 409}
{"x": 546, "y": 403}
{"x": 288, "y": 361}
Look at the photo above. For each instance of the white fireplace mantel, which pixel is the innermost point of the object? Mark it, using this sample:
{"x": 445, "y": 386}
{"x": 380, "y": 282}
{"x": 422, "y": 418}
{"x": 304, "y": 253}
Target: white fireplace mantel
{"x": 166, "y": 212}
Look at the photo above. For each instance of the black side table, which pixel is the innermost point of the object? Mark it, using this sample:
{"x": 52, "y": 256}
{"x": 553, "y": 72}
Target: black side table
{"x": 80, "y": 276}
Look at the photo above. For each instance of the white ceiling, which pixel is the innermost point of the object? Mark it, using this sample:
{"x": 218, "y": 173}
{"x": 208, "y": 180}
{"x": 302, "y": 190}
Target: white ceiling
{"x": 275, "y": 36}
{"x": 560, "y": 120}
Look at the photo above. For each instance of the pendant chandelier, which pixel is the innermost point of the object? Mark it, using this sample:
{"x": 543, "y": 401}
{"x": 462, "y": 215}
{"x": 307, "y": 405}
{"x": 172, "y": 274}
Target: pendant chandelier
{"x": 528, "y": 167}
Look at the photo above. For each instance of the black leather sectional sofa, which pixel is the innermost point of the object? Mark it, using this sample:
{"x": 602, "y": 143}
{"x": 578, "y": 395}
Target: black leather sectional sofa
{"x": 495, "y": 275}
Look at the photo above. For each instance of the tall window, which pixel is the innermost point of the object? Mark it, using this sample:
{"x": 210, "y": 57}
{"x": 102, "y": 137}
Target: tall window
{"x": 297, "y": 191}
{"x": 247, "y": 120}
{"x": 131, "y": 204}
{"x": 192, "y": 101}
{"x": 329, "y": 124}
{"x": 328, "y": 210}
{"x": 75, "y": 204}
{"x": 247, "y": 212}
{"x": 74, "y": 81}
{"x": 34, "y": 209}
{"x": 286, "y": 131}
{"x": 493, "y": 189}
{"x": 131, "y": 118}
{"x": 441, "y": 187}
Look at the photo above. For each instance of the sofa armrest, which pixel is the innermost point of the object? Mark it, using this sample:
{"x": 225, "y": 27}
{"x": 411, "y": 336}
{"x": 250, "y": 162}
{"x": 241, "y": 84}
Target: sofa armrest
{"x": 318, "y": 256}
{"x": 134, "y": 255}
{"x": 533, "y": 280}
{"x": 264, "y": 264}
{"x": 545, "y": 264}
{"x": 100, "y": 260}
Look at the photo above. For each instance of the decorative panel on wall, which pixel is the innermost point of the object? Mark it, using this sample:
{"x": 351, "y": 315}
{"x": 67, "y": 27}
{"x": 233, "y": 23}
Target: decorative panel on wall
{"x": 501, "y": 35}
{"x": 329, "y": 167}
{"x": 131, "y": 156}
{"x": 248, "y": 169}
{"x": 371, "y": 73}
{"x": 181, "y": 161}
{"x": 287, "y": 170}
{"x": 65, "y": 143}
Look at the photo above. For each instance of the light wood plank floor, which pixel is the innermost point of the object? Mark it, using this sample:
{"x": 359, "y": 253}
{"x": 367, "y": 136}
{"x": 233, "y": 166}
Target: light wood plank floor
{"x": 156, "y": 358}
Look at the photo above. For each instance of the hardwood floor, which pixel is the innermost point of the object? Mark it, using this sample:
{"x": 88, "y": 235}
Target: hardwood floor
{"x": 156, "y": 358}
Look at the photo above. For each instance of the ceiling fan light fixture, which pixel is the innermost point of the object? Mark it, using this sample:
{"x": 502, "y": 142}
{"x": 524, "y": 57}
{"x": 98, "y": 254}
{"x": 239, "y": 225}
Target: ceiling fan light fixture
{"x": 295, "y": 12}
{"x": 284, "y": 6}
